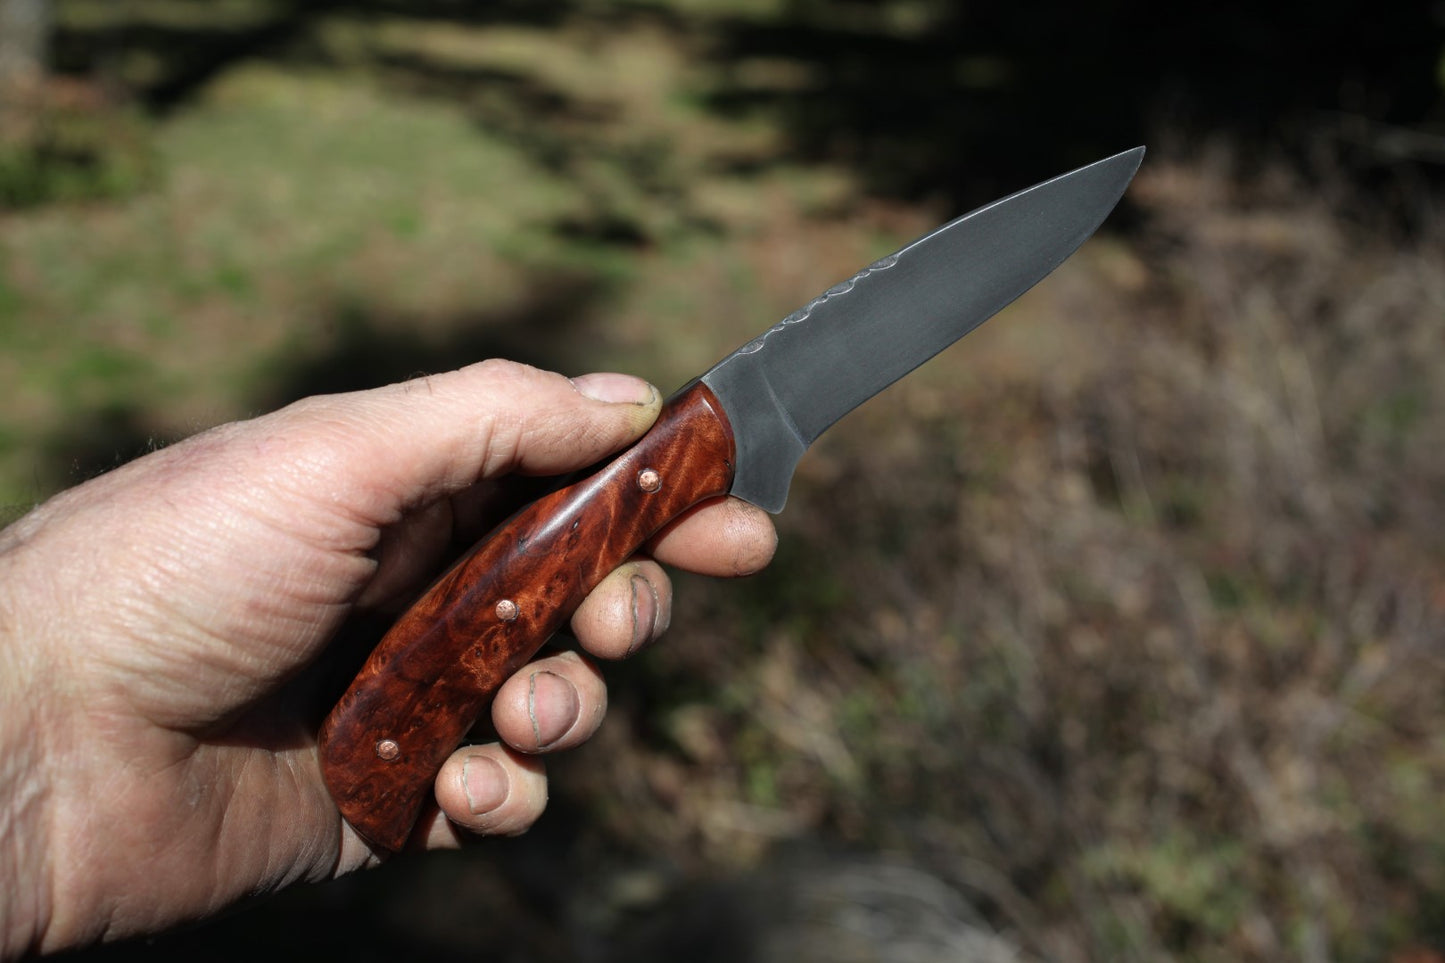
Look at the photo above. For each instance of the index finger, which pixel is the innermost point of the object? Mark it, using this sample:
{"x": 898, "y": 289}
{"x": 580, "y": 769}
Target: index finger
{"x": 722, "y": 537}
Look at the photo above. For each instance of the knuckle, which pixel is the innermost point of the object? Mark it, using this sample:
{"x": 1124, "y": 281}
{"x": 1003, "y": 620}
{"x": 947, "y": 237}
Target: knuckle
{"x": 502, "y": 370}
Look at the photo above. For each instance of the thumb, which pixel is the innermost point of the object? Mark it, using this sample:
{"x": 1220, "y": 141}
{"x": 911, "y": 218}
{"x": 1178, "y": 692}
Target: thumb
{"x": 392, "y": 448}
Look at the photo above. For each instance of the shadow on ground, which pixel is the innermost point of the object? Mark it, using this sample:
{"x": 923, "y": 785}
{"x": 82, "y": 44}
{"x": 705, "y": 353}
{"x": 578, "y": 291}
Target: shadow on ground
{"x": 997, "y": 90}
{"x": 955, "y": 101}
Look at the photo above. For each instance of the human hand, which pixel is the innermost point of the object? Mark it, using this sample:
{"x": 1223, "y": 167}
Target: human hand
{"x": 161, "y": 626}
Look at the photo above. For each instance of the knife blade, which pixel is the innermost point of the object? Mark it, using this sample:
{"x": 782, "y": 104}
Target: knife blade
{"x": 739, "y": 429}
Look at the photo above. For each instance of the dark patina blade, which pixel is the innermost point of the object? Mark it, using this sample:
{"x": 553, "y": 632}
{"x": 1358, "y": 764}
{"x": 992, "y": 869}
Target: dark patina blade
{"x": 786, "y": 387}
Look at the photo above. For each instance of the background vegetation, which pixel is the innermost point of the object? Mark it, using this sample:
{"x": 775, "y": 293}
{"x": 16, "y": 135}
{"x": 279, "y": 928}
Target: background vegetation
{"x": 1113, "y": 634}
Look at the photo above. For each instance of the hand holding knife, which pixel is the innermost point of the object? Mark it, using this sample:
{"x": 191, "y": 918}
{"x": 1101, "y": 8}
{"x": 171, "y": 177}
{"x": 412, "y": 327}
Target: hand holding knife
{"x": 739, "y": 429}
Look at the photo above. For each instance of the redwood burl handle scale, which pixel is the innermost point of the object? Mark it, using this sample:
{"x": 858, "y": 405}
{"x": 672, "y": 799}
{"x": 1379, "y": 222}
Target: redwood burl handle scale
{"x": 431, "y": 677}
{"x": 739, "y": 430}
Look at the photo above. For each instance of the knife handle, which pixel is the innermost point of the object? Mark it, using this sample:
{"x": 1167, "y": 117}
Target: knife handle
{"x": 431, "y": 676}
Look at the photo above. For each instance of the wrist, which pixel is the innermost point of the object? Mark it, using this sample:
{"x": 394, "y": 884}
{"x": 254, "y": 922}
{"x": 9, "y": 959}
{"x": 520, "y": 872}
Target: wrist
{"x": 24, "y": 830}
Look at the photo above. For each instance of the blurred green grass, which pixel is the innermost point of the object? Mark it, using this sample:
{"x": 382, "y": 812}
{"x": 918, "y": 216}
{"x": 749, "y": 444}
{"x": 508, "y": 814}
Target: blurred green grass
{"x": 295, "y": 209}
{"x": 1120, "y": 622}
{"x": 284, "y": 197}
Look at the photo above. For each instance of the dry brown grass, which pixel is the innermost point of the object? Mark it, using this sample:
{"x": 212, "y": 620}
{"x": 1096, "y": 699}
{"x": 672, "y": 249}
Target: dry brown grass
{"x": 1125, "y": 619}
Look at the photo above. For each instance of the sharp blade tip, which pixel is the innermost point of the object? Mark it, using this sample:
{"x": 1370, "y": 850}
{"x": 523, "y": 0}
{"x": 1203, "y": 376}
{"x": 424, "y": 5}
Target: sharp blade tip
{"x": 1136, "y": 154}
{"x": 1126, "y": 162}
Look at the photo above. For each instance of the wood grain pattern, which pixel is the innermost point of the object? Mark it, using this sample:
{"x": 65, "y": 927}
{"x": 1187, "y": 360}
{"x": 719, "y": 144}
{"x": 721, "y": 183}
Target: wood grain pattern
{"x": 434, "y": 673}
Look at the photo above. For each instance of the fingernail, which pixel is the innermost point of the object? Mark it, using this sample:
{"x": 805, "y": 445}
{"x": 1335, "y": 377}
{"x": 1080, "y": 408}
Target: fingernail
{"x": 554, "y": 706}
{"x": 644, "y": 613}
{"x": 615, "y": 388}
{"x": 485, "y": 782}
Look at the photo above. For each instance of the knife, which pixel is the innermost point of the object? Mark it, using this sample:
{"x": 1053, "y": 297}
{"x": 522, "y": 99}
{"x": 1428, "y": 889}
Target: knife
{"x": 738, "y": 429}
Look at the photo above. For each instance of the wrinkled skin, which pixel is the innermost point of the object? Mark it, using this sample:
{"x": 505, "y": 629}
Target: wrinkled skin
{"x": 162, "y": 629}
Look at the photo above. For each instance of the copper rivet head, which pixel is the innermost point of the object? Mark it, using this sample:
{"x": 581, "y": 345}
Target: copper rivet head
{"x": 388, "y": 749}
{"x": 507, "y": 610}
{"x": 649, "y": 480}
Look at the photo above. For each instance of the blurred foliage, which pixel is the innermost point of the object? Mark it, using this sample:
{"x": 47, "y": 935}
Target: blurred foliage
{"x": 1114, "y": 634}
{"x": 80, "y": 153}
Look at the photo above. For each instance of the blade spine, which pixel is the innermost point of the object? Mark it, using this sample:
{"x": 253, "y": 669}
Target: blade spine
{"x": 758, "y": 341}
{"x": 984, "y": 208}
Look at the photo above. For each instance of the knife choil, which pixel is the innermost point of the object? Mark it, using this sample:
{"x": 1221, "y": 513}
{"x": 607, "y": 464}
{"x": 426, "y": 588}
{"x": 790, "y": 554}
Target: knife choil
{"x": 739, "y": 429}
